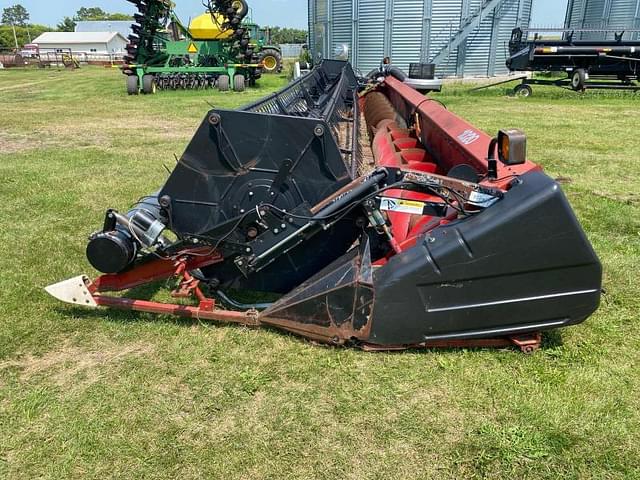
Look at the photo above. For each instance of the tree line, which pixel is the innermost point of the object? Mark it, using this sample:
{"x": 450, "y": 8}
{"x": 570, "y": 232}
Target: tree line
{"x": 287, "y": 35}
{"x": 15, "y": 26}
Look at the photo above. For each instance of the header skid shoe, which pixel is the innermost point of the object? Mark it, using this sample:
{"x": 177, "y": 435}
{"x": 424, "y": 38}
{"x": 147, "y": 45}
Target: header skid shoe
{"x": 74, "y": 291}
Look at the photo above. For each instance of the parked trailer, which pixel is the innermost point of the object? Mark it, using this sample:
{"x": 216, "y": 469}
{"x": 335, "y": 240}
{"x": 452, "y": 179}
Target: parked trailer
{"x": 603, "y": 64}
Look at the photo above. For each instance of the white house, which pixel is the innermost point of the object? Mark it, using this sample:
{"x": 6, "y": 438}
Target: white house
{"x": 97, "y": 43}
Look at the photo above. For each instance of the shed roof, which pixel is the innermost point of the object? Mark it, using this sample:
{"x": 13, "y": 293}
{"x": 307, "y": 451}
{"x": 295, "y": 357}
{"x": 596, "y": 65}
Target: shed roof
{"x": 77, "y": 37}
{"x": 121, "y": 26}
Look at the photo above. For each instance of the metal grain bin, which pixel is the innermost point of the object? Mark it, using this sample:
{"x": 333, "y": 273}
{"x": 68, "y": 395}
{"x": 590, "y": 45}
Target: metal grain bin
{"x": 463, "y": 37}
{"x": 604, "y": 15}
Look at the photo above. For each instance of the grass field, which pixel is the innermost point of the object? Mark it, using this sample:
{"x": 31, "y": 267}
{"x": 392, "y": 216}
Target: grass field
{"x": 98, "y": 394}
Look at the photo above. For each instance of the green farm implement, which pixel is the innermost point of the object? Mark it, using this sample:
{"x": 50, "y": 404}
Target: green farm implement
{"x": 216, "y": 50}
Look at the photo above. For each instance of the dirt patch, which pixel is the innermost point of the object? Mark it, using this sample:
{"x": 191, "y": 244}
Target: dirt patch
{"x": 124, "y": 130}
{"x": 68, "y": 364}
{"x": 629, "y": 199}
{"x": 14, "y": 143}
{"x": 103, "y": 133}
{"x": 42, "y": 138}
{"x": 22, "y": 85}
{"x": 95, "y": 133}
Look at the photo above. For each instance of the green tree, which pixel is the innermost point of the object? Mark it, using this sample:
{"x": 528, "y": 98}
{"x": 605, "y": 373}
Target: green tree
{"x": 16, "y": 15}
{"x": 22, "y": 34}
{"x": 66, "y": 25}
{"x": 6, "y": 38}
{"x": 91, "y": 13}
{"x": 119, "y": 16}
{"x": 96, "y": 13}
{"x": 287, "y": 35}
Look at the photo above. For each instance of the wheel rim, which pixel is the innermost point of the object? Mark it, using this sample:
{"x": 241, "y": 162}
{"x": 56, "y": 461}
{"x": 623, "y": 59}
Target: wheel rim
{"x": 270, "y": 62}
{"x": 576, "y": 80}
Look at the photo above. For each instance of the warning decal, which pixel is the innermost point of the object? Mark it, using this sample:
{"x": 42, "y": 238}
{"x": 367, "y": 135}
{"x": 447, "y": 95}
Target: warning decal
{"x": 192, "y": 48}
{"x": 403, "y": 206}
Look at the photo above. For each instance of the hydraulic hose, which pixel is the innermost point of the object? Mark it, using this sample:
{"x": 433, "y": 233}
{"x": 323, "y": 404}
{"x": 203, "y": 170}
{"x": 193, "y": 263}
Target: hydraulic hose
{"x": 396, "y": 73}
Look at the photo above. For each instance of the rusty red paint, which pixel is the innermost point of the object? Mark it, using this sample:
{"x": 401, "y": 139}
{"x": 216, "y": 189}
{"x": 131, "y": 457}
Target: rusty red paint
{"x": 156, "y": 270}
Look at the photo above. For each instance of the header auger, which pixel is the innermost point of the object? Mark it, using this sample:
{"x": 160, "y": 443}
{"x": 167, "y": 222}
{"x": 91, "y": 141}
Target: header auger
{"x": 215, "y": 50}
{"x": 382, "y": 220}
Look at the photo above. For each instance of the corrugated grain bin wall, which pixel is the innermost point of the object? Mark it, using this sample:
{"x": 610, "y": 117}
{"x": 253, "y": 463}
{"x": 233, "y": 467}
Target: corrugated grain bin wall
{"x": 604, "y": 14}
{"x": 416, "y": 31}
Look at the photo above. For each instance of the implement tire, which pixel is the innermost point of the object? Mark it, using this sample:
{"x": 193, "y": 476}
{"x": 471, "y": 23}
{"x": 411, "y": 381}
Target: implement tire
{"x": 149, "y": 85}
{"x": 241, "y": 7}
{"x": 132, "y": 85}
{"x": 271, "y": 59}
{"x": 523, "y": 90}
{"x": 578, "y": 79}
{"x": 223, "y": 83}
{"x": 238, "y": 83}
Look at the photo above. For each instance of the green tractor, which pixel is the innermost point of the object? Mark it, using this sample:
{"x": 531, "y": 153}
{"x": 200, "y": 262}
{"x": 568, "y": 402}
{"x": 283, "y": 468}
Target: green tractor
{"x": 269, "y": 55}
{"x": 216, "y": 50}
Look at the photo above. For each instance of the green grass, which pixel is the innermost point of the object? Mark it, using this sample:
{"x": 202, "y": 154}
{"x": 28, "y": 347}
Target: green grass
{"x": 96, "y": 394}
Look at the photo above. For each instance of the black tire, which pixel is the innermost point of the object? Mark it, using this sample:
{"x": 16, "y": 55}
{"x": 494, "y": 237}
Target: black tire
{"x": 223, "y": 83}
{"x": 271, "y": 60}
{"x": 578, "y": 79}
{"x": 523, "y": 90}
{"x": 132, "y": 85}
{"x": 238, "y": 83}
{"x": 241, "y": 7}
{"x": 149, "y": 85}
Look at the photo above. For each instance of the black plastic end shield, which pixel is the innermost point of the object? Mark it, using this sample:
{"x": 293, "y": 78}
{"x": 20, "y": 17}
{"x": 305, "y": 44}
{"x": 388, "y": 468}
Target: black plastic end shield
{"x": 522, "y": 265}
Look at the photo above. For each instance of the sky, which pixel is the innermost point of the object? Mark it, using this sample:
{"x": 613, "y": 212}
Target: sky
{"x": 548, "y": 13}
{"x": 284, "y": 13}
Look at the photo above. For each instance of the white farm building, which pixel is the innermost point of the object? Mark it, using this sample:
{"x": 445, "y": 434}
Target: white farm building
{"x": 96, "y": 43}
{"x": 123, "y": 27}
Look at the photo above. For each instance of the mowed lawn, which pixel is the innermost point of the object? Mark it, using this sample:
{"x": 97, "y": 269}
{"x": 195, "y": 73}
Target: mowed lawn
{"x": 101, "y": 394}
